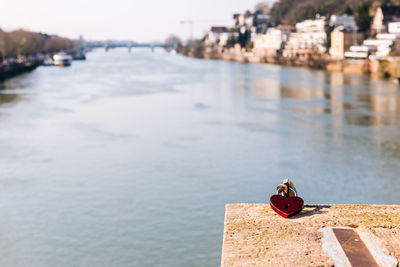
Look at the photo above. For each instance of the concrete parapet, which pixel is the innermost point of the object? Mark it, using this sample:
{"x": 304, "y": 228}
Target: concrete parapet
{"x": 358, "y": 67}
{"x": 255, "y": 235}
{"x": 384, "y": 68}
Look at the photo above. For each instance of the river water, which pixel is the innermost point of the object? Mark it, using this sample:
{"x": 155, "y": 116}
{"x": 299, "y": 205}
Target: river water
{"x": 127, "y": 159}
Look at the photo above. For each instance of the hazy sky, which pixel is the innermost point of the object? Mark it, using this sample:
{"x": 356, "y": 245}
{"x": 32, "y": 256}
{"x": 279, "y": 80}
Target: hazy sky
{"x": 140, "y": 20}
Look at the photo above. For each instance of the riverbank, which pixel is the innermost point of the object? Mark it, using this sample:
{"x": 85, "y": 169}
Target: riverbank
{"x": 311, "y": 62}
{"x": 13, "y": 69}
{"x": 388, "y": 68}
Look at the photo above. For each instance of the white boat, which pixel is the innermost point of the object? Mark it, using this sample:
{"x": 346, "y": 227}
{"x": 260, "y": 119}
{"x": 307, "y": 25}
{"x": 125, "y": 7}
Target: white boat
{"x": 62, "y": 59}
{"x": 48, "y": 61}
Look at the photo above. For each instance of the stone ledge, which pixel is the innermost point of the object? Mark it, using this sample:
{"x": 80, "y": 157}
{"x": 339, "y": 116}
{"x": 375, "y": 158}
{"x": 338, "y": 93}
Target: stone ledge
{"x": 254, "y": 235}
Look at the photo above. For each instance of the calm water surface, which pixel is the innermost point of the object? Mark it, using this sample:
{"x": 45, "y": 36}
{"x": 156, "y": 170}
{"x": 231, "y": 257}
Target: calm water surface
{"x": 129, "y": 159}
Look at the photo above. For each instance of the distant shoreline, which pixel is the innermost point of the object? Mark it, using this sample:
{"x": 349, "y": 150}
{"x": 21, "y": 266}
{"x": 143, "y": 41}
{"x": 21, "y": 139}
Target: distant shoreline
{"x": 7, "y": 72}
{"x": 386, "y": 69}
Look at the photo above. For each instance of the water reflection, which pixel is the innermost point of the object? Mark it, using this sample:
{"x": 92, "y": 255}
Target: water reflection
{"x": 357, "y": 100}
{"x": 10, "y": 89}
{"x": 8, "y": 98}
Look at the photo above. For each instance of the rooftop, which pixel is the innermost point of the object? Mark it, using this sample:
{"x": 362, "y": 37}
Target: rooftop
{"x": 218, "y": 29}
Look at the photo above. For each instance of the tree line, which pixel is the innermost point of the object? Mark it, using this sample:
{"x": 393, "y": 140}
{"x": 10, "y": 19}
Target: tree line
{"x": 292, "y": 11}
{"x": 26, "y": 43}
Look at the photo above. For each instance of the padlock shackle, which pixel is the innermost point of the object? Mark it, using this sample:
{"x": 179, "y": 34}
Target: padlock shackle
{"x": 281, "y": 190}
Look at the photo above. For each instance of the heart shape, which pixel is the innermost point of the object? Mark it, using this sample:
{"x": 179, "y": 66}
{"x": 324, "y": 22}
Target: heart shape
{"x": 286, "y": 206}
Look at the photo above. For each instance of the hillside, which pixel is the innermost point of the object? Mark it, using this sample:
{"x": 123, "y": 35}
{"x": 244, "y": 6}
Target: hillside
{"x": 292, "y": 11}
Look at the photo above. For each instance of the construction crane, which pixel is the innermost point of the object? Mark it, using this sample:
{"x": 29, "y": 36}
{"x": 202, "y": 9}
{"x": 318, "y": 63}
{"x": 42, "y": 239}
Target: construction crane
{"x": 190, "y": 22}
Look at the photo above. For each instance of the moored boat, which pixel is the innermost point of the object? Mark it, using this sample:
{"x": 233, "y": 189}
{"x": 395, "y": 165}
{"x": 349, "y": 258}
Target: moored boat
{"x": 48, "y": 61}
{"x": 79, "y": 55}
{"x": 62, "y": 59}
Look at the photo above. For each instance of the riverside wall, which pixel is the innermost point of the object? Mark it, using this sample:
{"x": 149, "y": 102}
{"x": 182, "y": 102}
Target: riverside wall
{"x": 255, "y": 235}
{"x": 10, "y": 71}
{"x": 388, "y": 68}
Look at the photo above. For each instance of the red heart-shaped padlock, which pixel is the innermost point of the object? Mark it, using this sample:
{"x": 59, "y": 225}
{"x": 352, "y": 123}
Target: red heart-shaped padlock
{"x": 286, "y": 206}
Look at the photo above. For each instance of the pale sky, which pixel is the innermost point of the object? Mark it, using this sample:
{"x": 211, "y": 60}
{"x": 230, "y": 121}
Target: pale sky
{"x": 139, "y": 20}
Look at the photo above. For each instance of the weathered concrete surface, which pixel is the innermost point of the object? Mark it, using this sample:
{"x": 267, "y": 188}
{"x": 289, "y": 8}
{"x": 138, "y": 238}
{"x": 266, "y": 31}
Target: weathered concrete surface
{"x": 255, "y": 235}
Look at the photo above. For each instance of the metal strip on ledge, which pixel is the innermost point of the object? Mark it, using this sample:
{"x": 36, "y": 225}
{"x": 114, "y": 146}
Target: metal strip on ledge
{"x": 254, "y": 235}
{"x": 347, "y": 248}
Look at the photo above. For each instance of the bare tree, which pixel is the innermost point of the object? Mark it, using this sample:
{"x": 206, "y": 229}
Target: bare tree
{"x": 26, "y": 42}
{"x": 262, "y": 8}
{"x": 172, "y": 41}
{"x": 7, "y": 46}
{"x": 56, "y": 44}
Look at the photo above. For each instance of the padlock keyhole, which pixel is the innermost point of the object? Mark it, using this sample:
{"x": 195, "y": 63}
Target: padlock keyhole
{"x": 286, "y": 206}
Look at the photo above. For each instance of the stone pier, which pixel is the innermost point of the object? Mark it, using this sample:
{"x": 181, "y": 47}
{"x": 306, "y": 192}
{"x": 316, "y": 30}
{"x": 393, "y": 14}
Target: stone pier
{"x": 320, "y": 235}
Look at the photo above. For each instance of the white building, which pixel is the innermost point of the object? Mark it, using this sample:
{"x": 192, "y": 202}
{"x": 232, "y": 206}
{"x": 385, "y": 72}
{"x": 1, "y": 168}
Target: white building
{"x": 376, "y": 48}
{"x": 245, "y": 19}
{"x": 313, "y": 33}
{"x": 293, "y": 45}
{"x": 225, "y": 36}
{"x": 379, "y": 47}
{"x": 271, "y": 43}
{"x": 217, "y": 35}
{"x": 382, "y": 46}
{"x": 359, "y": 52}
{"x": 310, "y": 35}
{"x": 394, "y": 27}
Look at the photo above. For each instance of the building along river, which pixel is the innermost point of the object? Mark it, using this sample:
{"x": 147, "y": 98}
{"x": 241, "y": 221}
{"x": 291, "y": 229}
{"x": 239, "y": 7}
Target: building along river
{"x": 128, "y": 159}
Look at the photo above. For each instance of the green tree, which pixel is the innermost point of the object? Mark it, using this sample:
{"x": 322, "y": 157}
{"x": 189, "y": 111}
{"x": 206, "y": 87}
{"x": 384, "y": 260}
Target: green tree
{"x": 232, "y": 40}
{"x": 244, "y": 37}
{"x": 363, "y": 19}
{"x": 348, "y": 11}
